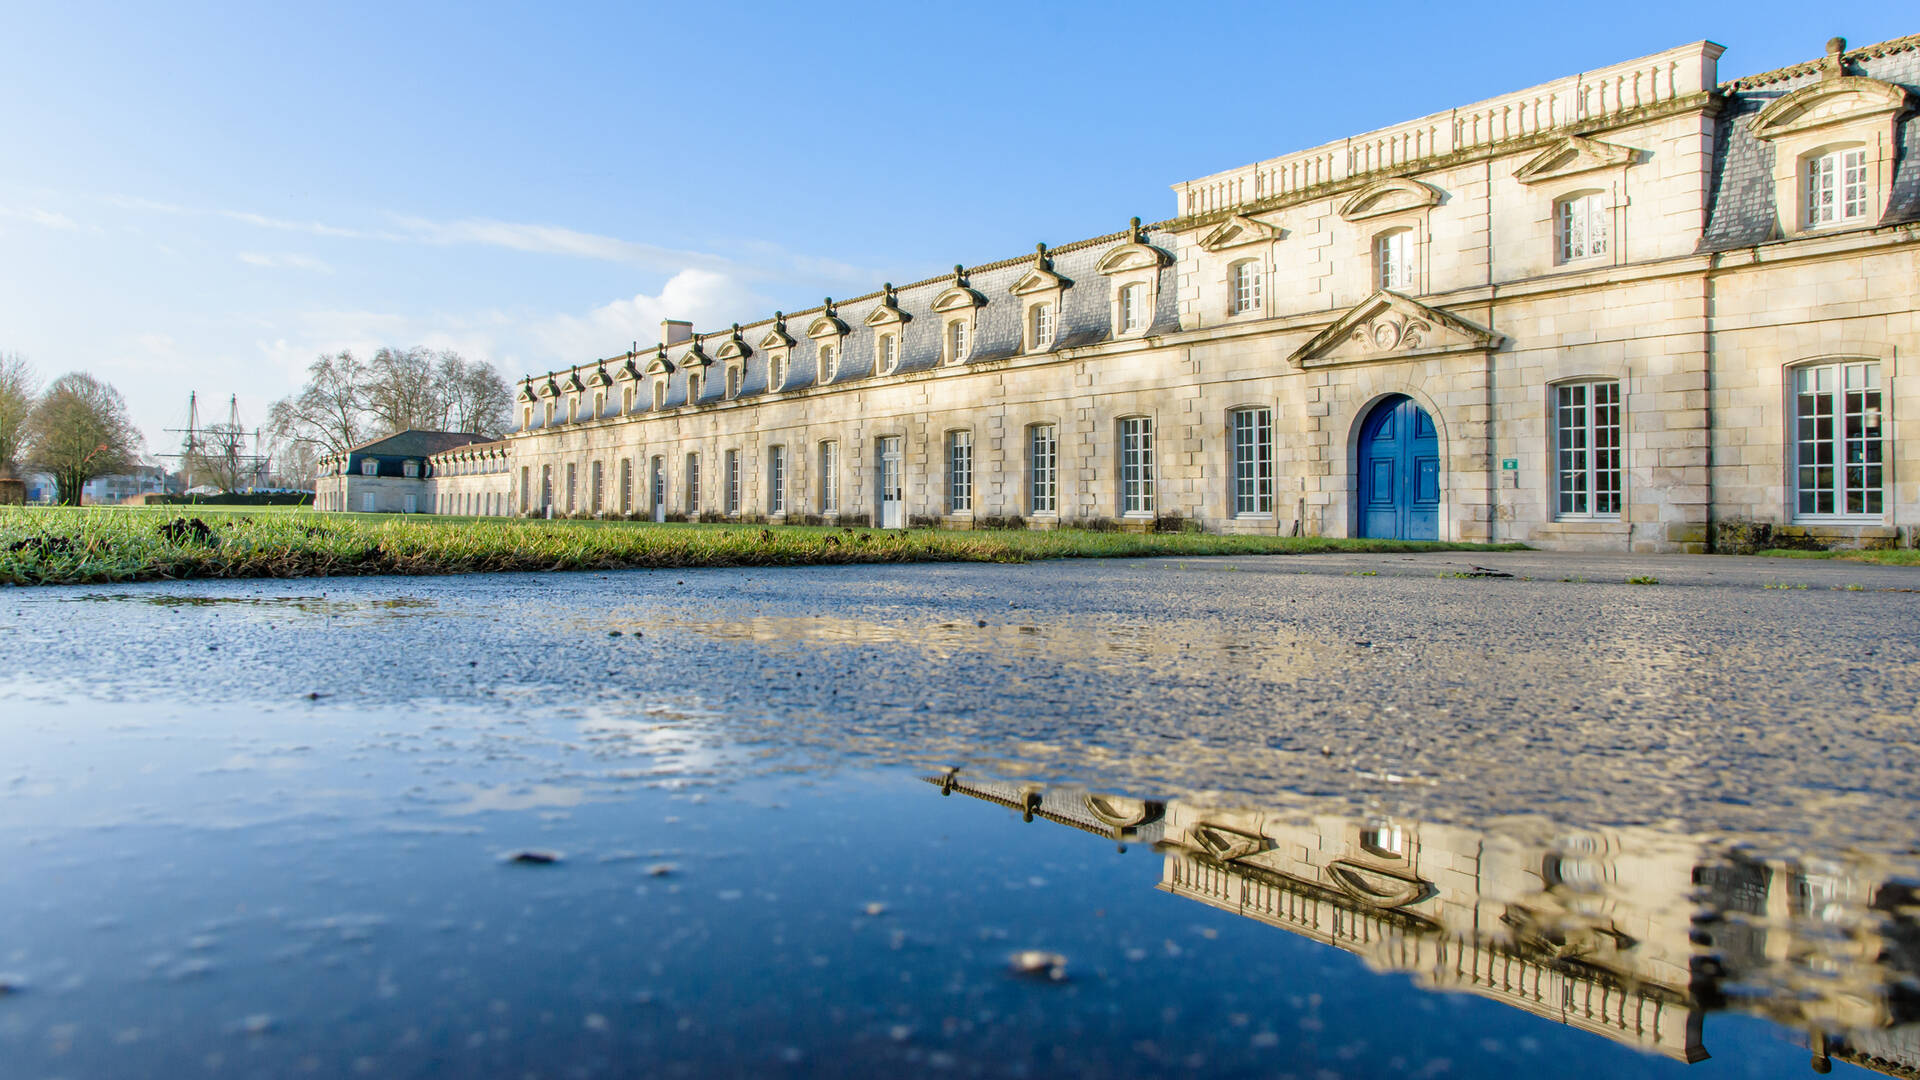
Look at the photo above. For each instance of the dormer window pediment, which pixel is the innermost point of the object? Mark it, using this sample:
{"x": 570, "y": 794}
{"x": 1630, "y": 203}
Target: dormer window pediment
{"x": 1838, "y": 100}
{"x": 549, "y": 389}
{"x": 1571, "y": 156}
{"x": 887, "y": 314}
{"x": 626, "y": 370}
{"x": 526, "y": 393}
{"x": 599, "y": 377}
{"x": 1039, "y": 280}
{"x": 695, "y": 356}
{"x": 573, "y": 385}
{"x": 661, "y": 365}
{"x": 957, "y": 298}
{"x": 1389, "y": 197}
{"x": 1238, "y": 230}
{"x": 1132, "y": 256}
{"x": 825, "y": 326}
{"x": 732, "y": 349}
{"x": 777, "y": 339}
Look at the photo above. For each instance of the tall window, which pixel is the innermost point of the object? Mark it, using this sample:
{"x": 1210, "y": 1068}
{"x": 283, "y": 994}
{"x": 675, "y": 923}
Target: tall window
{"x": 693, "y": 387}
{"x": 777, "y": 371}
{"x": 693, "y": 484}
{"x": 626, "y": 399}
{"x": 1133, "y": 303}
{"x": 1040, "y": 333}
{"x": 733, "y": 382}
{"x": 1583, "y": 224}
{"x": 829, "y": 363}
{"x": 730, "y": 468}
{"x": 1839, "y": 450}
{"x": 1586, "y": 448}
{"x": 829, "y": 477}
{"x": 776, "y": 479}
{"x": 959, "y": 472}
{"x": 596, "y": 486}
{"x": 1252, "y": 461}
{"x": 659, "y": 393}
{"x": 599, "y": 404}
{"x": 1393, "y": 259}
{"x": 573, "y": 409}
{"x": 526, "y": 418}
{"x": 410, "y": 468}
{"x": 549, "y": 414}
{"x": 958, "y": 340}
{"x": 572, "y": 485}
{"x": 546, "y": 486}
{"x": 1136, "y": 465}
{"x": 1043, "y": 464}
{"x": 1243, "y": 282}
{"x": 525, "y": 493}
{"x": 626, "y": 484}
{"x": 1836, "y": 187}
{"x": 369, "y": 467}
{"x": 889, "y": 353}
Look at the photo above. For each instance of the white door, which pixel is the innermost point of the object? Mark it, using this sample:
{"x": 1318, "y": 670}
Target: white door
{"x": 893, "y": 512}
{"x": 366, "y": 502}
{"x": 659, "y": 489}
{"x": 413, "y": 504}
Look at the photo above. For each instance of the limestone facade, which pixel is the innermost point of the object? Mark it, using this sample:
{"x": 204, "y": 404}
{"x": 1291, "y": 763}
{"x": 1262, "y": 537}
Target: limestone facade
{"x": 1602, "y": 296}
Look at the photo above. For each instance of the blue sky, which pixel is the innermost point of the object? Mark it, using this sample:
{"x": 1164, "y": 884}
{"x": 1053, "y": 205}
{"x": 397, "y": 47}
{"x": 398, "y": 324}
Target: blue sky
{"x": 204, "y": 197}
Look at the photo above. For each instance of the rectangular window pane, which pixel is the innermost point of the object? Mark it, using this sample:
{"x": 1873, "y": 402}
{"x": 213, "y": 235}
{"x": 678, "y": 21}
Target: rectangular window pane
{"x": 1136, "y": 465}
{"x": 829, "y": 478}
{"x": 1839, "y": 440}
{"x": 1253, "y": 461}
{"x": 732, "y": 470}
{"x": 959, "y": 471}
{"x": 777, "y": 480}
{"x": 1044, "y": 453}
{"x": 1587, "y": 450}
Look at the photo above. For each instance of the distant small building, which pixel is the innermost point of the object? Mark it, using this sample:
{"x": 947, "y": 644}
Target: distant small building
{"x": 387, "y": 475}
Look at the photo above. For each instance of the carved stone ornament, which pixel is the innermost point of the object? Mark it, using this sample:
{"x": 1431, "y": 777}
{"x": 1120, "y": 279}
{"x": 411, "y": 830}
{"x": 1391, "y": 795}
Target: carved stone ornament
{"x": 1388, "y": 325}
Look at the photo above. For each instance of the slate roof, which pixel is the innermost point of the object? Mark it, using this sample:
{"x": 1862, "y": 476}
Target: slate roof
{"x": 416, "y": 443}
{"x": 1741, "y": 210}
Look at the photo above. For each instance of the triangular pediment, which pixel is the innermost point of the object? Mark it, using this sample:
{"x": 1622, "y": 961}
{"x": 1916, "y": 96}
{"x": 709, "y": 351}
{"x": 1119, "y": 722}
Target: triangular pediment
{"x": 826, "y": 326}
{"x": 777, "y": 338}
{"x": 573, "y": 385}
{"x": 599, "y": 377}
{"x": 1386, "y": 326}
{"x": 626, "y": 371}
{"x": 695, "y": 356}
{"x": 1830, "y": 101}
{"x": 1239, "y": 230}
{"x": 1038, "y": 279}
{"x": 957, "y": 298}
{"x": 526, "y": 393}
{"x": 1133, "y": 256}
{"x": 1571, "y": 156}
{"x": 1389, "y": 197}
{"x": 549, "y": 388}
{"x": 660, "y": 365}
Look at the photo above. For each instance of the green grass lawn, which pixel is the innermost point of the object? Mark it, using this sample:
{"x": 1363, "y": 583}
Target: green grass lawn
{"x": 1888, "y": 557}
{"x": 61, "y": 546}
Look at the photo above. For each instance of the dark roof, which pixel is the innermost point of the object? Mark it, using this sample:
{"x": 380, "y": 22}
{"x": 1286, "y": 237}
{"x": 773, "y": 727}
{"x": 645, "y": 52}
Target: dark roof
{"x": 416, "y": 443}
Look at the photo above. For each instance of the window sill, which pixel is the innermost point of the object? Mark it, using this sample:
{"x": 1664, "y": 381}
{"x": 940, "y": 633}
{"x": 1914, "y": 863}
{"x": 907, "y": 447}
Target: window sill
{"x": 1261, "y": 515}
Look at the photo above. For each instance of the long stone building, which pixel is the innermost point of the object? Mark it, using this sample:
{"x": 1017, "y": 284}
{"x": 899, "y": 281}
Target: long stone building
{"x": 1634, "y": 308}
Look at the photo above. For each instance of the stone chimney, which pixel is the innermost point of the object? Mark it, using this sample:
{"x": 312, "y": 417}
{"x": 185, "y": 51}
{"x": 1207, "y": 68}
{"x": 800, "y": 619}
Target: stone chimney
{"x": 675, "y": 331}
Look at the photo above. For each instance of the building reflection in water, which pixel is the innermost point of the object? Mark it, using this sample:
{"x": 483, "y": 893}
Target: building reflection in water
{"x": 1634, "y": 934}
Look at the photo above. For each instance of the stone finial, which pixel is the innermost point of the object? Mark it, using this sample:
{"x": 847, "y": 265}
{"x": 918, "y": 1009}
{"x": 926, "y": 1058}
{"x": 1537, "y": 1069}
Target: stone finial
{"x": 1133, "y": 229}
{"x": 827, "y": 305}
{"x": 1834, "y": 65}
{"x": 736, "y": 331}
{"x": 959, "y": 274}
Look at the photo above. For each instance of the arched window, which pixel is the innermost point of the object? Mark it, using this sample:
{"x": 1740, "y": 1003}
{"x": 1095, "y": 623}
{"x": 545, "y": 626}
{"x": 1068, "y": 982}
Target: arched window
{"x": 829, "y": 363}
{"x": 733, "y": 381}
{"x": 777, "y": 371}
{"x": 626, "y": 399}
{"x": 959, "y": 340}
{"x": 526, "y": 418}
{"x": 659, "y": 393}
{"x": 889, "y": 353}
{"x": 549, "y": 414}
{"x": 1840, "y": 453}
{"x": 1582, "y": 226}
{"x": 1133, "y": 303}
{"x": 693, "y": 387}
{"x": 1244, "y": 287}
{"x": 599, "y": 404}
{"x": 1393, "y": 259}
{"x": 1040, "y": 326}
{"x": 573, "y": 409}
{"x": 1835, "y": 183}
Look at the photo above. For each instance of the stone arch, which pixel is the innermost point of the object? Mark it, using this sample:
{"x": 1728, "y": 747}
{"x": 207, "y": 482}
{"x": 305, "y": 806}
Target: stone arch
{"x": 1369, "y": 394}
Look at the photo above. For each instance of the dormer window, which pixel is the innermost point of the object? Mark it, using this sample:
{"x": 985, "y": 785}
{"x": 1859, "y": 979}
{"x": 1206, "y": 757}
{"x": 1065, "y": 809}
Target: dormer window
{"x": 659, "y": 393}
{"x": 1836, "y": 187}
{"x": 599, "y": 404}
{"x": 410, "y": 468}
{"x": 549, "y": 414}
{"x": 573, "y": 409}
{"x": 777, "y": 371}
{"x": 1244, "y": 287}
{"x": 959, "y": 340}
{"x": 733, "y": 382}
{"x": 693, "y": 387}
{"x": 1583, "y": 225}
{"x": 626, "y": 400}
{"x": 1393, "y": 259}
{"x": 829, "y": 363}
{"x": 1040, "y": 326}
{"x": 369, "y": 467}
{"x": 888, "y": 350}
{"x": 1133, "y": 302}
{"x": 526, "y": 418}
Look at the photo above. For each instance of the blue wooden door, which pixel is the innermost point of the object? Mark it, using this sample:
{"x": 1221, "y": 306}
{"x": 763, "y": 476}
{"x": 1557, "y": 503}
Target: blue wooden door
{"x": 1399, "y": 472}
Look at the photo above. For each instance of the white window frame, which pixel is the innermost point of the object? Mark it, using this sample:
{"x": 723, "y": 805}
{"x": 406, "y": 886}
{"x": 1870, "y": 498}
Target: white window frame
{"x": 1393, "y": 252}
{"x": 776, "y": 480}
{"x": 369, "y": 467}
{"x": 1043, "y": 469}
{"x": 733, "y": 381}
{"x": 1040, "y": 326}
{"x": 1246, "y": 287}
{"x": 777, "y": 370}
{"x": 1835, "y": 186}
{"x": 829, "y": 362}
{"x": 1250, "y": 433}
{"x": 1830, "y": 438}
{"x": 829, "y": 477}
{"x": 887, "y": 353}
{"x": 1136, "y": 466}
{"x": 596, "y": 486}
{"x": 573, "y": 485}
{"x": 960, "y": 471}
{"x": 1589, "y": 450}
{"x": 693, "y": 483}
{"x": 731, "y": 467}
{"x": 1132, "y": 300}
{"x": 693, "y": 387}
{"x": 367, "y": 503}
{"x": 659, "y": 394}
{"x": 626, "y": 485}
{"x": 959, "y": 340}
{"x": 1582, "y": 227}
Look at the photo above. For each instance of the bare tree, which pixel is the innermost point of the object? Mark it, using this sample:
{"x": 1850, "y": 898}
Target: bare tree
{"x": 477, "y": 398}
{"x": 78, "y": 430}
{"x": 18, "y": 387}
{"x": 402, "y": 391}
{"x": 218, "y": 458}
{"x": 293, "y": 465}
{"x": 329, "y": 414}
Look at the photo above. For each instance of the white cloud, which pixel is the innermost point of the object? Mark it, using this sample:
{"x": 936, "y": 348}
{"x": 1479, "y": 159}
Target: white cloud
{"x": 284, "y": 261}
{"x": 708, "y": 298}
{"x": 46, "y": 219}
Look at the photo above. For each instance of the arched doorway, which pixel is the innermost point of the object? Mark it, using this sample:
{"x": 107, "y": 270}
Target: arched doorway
{"x": 1399, "y": 463}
